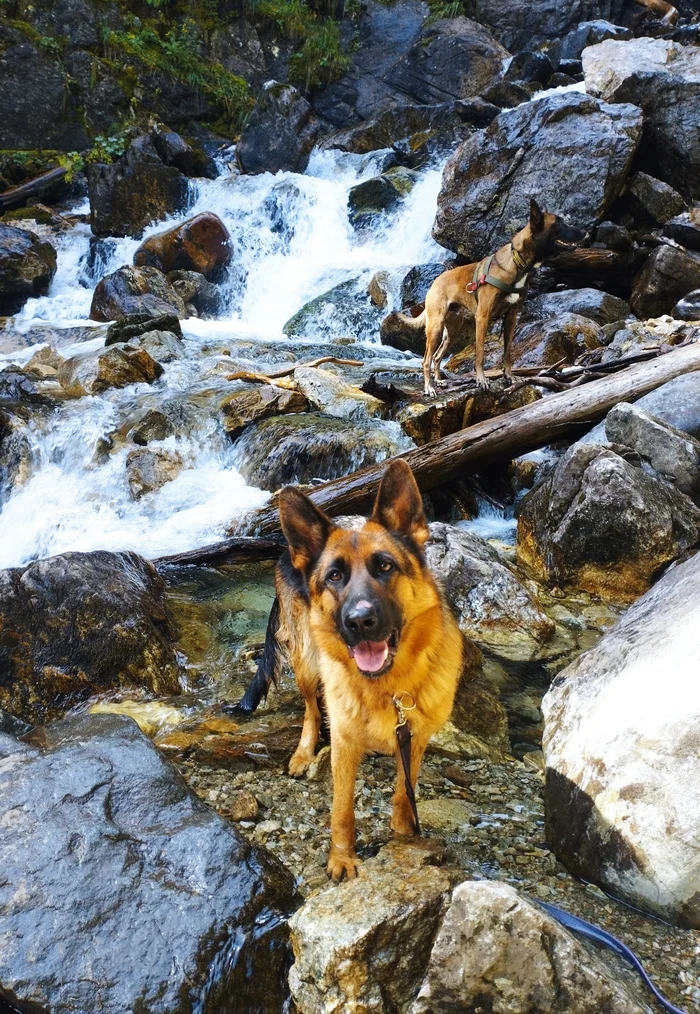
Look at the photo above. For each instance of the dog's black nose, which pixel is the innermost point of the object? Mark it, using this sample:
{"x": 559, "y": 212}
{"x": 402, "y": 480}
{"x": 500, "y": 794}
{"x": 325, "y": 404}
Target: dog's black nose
{"x": 361, "y": 618}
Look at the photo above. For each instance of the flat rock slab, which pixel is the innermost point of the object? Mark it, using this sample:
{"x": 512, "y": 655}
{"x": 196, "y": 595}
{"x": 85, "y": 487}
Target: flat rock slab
{"x": 121, "y": 891}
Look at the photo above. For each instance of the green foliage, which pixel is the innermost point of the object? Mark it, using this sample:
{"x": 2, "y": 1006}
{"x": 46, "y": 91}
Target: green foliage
{"x": 49, "y": 45}
{"x": 104, "y": 150}
{"x": 320, "y": 58}
{"x": 176, "y": 54}
{"x": 445, "y": 9}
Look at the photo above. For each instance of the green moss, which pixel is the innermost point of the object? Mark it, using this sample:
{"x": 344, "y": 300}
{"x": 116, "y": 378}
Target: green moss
{"x": 176, "y": 55}
{"x": 320, "y": 58}
{"x": 18, "y": 166}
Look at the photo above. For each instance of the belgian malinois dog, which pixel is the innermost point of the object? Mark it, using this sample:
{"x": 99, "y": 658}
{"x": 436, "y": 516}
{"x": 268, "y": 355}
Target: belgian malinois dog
{"x": 366, "y": 628}
{"x": 488, "y": 290}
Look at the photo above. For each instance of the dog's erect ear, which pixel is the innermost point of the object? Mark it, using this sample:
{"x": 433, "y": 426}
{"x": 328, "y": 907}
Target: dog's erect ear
{"x": 536, "y": 216}
{"x": 305, "y": 527}
{"x": 399, "y": 506}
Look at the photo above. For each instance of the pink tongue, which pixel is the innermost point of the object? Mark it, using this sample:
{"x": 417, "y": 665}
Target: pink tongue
{"x": 370, "y": 655}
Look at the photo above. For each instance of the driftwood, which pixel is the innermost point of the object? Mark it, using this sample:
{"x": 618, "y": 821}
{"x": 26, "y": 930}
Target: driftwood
{"x": 16, "y": 196}
{"x": 498, "y": 439}
{"x": 269, "y": 378}
{"x": 241, "y": 549}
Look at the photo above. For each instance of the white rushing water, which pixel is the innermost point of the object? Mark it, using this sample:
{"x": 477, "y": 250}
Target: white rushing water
{"x": 292, "y": 241}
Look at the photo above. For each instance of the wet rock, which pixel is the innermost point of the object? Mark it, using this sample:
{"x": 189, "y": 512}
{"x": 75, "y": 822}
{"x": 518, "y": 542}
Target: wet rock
{"x": 599, "y": 306}
{"x": 364, "y": 945}
{"x": 27, "y": 266}
{"x": 379, "y": 194}
{"x": 236, "y": 46}
{"x": 663, "y": 79}
{"x": 200, "y": 244}
{"x": 621, "y": 753}
{"x": 344, "y": 310}
{"x": 442, "y": 120}
{"x": 163, "y": 346}
{"x": 507, "y": 94}
{"x": 148, "y": 470}
{"x": 676, "y": 403}
{"x": 117, "y": 366}
{"x": 670, "y": 452}
{"x": 530, "y": 65}
{"x": 604, "y": 526}
{"x": 405, "y": 332}
{"x": 143, "y": 290}
{"x": 17, "y": 387}
{"x": 590, "y": 33}
{"x": 15, "y": 453}
{"x": 378, "y": 288}
{"x": 134, "y": 191}
{"x": 246, "y": 405}
{"x": 298, "y": 449}
{"x": 280, "y": 132}
{"x": 334, "y": 396}
{"x": 195, "y": 291}
{"x": 454, "y": 58}
{"x": 80, "y": 623}
{"x": 102, "y": 832}
{"x": 429, "y": 420}
{"x": 494, "y": 608}
{"x": 652, "y": 199}
{"x": 626, "y": 342}
{"x": 417, "y": 281}
{"x": 569, "y": 146}
{"x": 667, "y": 274}
{"x": 189, "y": 158}
{"x": 496, "y": 951}
{"x": 688, "y": 308}
{"x": 154, "y": 425}
{"x": 44, "y": 359}
{"x": 132, "y": 325}
{"x": 518, "y": 27}
{"x": 685, "y": 229}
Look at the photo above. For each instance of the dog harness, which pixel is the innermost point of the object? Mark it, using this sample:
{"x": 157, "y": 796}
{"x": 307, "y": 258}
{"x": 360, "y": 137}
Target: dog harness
{"x": 483, "y": 277}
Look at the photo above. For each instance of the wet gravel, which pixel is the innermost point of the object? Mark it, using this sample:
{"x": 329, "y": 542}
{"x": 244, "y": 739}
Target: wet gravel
{"x": 490, "y": 817}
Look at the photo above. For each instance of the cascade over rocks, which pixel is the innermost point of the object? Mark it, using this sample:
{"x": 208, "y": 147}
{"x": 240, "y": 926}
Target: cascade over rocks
{"x": 280, "y": 132}
{"x": 134, "y": 191}
{"x": 620, "y": 743}
{"x": 80, "y": 623}
{"x": 570, "y": 147}
{"x": 599, "y": 524}
{"x": 453, "y": 58}
{"x": 27, "y": 266}
{"x": 663, "y": 78}
{"x": 107, "y": 855}
{"x": 346, "y": 309}
{"x": 137, "y": 290}
{"x": 200, "y": 244}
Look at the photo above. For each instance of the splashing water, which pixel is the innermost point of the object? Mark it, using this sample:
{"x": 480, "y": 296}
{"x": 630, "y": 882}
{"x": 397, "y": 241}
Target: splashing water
{"x": 292, "y": 241}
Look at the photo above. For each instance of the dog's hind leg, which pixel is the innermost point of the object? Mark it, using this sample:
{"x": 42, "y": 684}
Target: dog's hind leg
{"x": 266, "y": 670}
{"x": 439, "y": 355}
{"x": 508, "y": 331}
{"x": 482, "y": 323}
{"x": 433, "y": 337}
{"x": 306, "y": 675}
{"x": 402, "y": 820}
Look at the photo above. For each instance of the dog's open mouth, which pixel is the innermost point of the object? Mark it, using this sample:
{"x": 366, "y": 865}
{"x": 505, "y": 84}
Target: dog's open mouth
{"x": 373, "y": 658}
{"x": 567, "y": 244}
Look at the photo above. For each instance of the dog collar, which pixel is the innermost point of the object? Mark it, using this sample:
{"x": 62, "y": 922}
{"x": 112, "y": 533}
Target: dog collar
{"x": 518, "y": 260}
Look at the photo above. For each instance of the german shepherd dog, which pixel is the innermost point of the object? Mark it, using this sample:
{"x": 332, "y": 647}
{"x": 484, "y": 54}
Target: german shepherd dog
{"x": 363, "y": 621}
{"x": 488, "y": 290}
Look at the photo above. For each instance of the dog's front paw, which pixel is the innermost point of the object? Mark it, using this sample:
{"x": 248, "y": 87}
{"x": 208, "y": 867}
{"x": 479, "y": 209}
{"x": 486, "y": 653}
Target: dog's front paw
{"x": 508, "y": 379}
{"x": 299, "y": 763}
{"x": 342, "y": 863}
{"x": 482, "y": 383}
{"x": 430, "y": 391}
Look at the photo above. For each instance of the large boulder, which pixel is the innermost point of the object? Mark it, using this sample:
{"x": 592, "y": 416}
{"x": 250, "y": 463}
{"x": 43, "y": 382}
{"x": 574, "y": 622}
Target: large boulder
{"x": 379, "y": 194}
{"x": 345, "y": 310}
{"x": 600, "y": 524}
{"x": 246, "y": 405}
{"x": 493, "y": 607}
{"x": 300, "y": 448}
{"x": 676, "y": 403}
{"x": 200, "y": 244}
{"x": 517, "y": 26}
{"x": 589, "y": 33}
{"x": 280, "y": 132}
{"x": 668, "y": 274}
{"x": 570, "y": 148}
{"x": 142, "y": 290}
{"x": 116, "y": 366}
{"x": 453, "y": 58}
{"x": 334, "y": 396}
{"x": 496, "y": 951}
{"x": 15, "y": 452}
{"x": 663, "y": 78}
{"x": 149, "y": 470}
{"x": 80, "y": 623}
{"x": 620, "y": 743}
{"x": 685, "y": 229}
{"x": 440, "y": 122}
{"x": 107, "y": 854}
{"x": 134, "y": 191}
{"x": 27, "y": 266}
{"x": 599, "y": 306}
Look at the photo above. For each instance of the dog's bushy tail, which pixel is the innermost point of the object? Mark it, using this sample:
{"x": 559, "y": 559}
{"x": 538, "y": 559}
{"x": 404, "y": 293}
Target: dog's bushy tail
{"x": 266, "y": 672}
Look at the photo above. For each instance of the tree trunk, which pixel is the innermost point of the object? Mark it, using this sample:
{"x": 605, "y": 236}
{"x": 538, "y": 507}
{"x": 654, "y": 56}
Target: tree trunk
{"x": 241, "y": 549}
{"x": 16, "y": 196}
{"x": 499, "y": 439}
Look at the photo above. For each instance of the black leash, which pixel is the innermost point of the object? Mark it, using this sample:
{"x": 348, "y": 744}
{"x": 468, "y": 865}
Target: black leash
{"x": 601, "y": 936}
{"x": 403, "y": 737}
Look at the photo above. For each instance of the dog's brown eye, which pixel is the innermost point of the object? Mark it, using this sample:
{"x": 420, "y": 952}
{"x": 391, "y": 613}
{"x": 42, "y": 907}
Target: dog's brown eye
{"x": 334, "y": 575}
{"x": 385, "y": 566}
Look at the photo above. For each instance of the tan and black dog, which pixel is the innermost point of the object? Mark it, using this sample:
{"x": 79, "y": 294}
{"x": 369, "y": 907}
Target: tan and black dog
{"x": 364, "y": 623}
{"x": 488, "y": 290}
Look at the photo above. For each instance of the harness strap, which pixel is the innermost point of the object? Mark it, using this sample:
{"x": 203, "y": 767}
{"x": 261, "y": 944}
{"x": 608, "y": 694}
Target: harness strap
{"x": 403, "y": 738}
{"x": 482, "y": 276}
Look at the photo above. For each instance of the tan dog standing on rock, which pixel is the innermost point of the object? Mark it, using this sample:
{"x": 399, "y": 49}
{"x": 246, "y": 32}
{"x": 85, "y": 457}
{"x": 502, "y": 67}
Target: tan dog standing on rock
{"x": 488, "y": 290}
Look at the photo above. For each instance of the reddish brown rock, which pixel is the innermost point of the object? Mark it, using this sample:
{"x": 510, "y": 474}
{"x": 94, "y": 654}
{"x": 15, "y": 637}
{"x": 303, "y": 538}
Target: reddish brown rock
{"x": 200, "y": 244}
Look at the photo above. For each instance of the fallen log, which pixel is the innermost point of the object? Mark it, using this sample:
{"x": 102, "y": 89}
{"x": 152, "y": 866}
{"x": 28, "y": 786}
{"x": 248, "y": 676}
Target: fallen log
{"x": 240, "y": 549}
{"x": 495, "y": 440}
{"x": 16, "y": 196}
